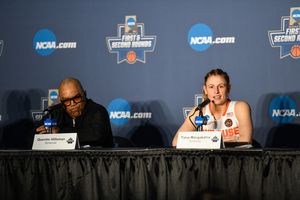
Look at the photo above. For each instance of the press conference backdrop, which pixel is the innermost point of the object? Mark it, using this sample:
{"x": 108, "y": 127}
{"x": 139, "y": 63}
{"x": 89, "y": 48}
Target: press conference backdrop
{"x": 145, "y": 61}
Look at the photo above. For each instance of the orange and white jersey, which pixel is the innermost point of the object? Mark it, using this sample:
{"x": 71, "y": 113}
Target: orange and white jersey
{"x": 228, "y": 123}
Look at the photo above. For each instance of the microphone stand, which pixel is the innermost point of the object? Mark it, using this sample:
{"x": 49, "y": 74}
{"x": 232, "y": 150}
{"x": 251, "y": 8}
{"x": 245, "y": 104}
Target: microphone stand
{"x": 50, "y": 109}
{"x": 200, "y": 106}
{"x": 49, "y": 117}
{"x": 50, "y": 128}
{"x": 200, "y": 128}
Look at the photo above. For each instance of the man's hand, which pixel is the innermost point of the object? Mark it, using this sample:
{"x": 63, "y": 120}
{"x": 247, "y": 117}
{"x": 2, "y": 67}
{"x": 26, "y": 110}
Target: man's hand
{"x": 43, "y": 130}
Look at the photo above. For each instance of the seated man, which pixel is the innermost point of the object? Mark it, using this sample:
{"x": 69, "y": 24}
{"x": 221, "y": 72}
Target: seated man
{"x": 78, "y": 115}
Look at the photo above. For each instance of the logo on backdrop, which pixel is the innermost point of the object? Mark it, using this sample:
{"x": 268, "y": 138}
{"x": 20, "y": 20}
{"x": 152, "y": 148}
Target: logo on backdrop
{"x": 53, "y": 98}
{"x": 1, "y": 46}
{"x": 120, "y": 112}
{"x": 198, "y": 100}
{"x": 288, "y": 38}
{"x": 44, "y": 43}
{"x": 37, "y": 115}
{"x": 131, "y": 44}
{"x": 200, "y": 38}
{"x": 283, "y": 109}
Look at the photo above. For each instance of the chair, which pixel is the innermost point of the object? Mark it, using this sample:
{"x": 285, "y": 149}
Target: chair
{"x": 122, "y": 142}
{"x": 256, "y": 144}
{"x": 2, "y": 146}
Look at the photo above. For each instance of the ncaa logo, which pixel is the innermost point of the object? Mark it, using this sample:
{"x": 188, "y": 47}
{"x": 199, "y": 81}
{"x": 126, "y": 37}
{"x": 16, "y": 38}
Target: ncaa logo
{"x": 200, "y": 37}
{"x": 119, "y": 111}
{"x": 296, "y": 14}
{"x": 207, "y": 116}
{"x": 130, "y": 22}
{"x": 53, "y": 96}
{"x": 47, "y": 123}
{"x": 282, "y": 109}
{"x": 44, "y": 42}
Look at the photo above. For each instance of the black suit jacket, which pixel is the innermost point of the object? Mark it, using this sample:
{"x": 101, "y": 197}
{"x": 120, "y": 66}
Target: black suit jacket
{"x": 92, "y": 127}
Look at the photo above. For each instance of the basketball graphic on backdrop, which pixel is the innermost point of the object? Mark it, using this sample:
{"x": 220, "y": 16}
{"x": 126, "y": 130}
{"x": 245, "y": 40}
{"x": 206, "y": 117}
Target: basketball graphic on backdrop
{"x": 295, "y": 50}
{"x": 131, "y": 56}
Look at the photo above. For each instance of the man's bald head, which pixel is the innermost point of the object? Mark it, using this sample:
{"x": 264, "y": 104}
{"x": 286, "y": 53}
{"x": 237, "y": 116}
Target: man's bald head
{"x": 71, "y": 80}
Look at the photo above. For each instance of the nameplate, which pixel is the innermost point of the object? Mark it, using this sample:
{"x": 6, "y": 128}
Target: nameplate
{"x": 55, "y": 141}
{"x": 200, "y": 140}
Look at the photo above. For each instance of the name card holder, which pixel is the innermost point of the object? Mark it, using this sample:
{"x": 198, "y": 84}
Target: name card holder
{"x": 60, "y": 141}
{"x": 200, "y": 140}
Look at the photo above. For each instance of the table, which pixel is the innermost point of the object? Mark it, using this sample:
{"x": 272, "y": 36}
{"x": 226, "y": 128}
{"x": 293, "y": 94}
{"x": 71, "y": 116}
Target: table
{"x": 145, "y": 173}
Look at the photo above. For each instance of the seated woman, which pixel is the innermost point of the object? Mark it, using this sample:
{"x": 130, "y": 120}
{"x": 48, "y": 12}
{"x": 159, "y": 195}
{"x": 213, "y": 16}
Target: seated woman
{"x": 233, "y": 118}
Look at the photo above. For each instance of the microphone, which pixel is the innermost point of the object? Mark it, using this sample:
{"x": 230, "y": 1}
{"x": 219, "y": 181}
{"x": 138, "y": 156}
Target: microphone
{"x": 51, "y": 108}
{"x": 200, "y": 121}
{"x": 203, "y": 104}
{"x": 47, "y": 123}
{"x": 54, "y": 122}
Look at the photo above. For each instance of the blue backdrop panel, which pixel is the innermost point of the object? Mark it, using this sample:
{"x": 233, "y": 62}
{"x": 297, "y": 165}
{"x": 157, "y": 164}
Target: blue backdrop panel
{"x": 166, "y": 78}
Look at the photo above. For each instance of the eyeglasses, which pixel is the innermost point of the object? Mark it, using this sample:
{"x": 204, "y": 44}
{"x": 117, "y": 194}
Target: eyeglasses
{"x": 76, "y": 99}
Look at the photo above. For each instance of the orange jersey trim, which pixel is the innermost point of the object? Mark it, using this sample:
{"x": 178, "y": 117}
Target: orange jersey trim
{"x": 224, "y": 111}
